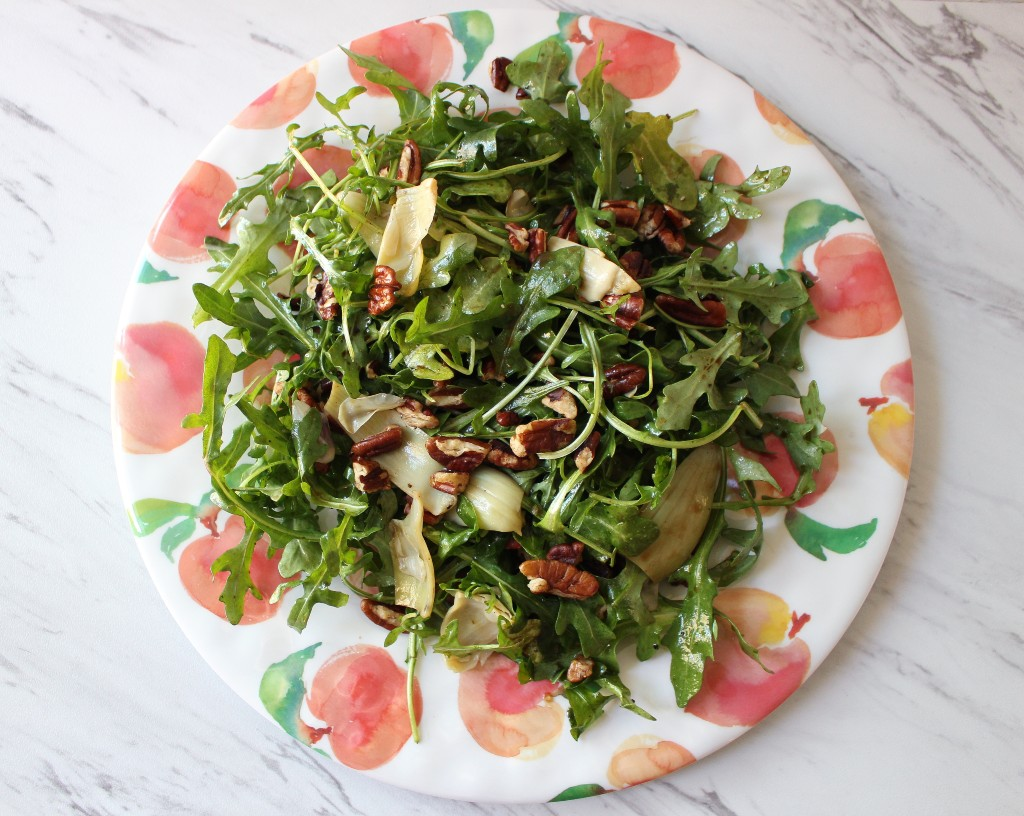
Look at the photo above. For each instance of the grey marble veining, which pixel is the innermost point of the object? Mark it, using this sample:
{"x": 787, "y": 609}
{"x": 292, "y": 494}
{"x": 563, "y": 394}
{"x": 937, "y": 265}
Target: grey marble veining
{"x": 105, "y": 706}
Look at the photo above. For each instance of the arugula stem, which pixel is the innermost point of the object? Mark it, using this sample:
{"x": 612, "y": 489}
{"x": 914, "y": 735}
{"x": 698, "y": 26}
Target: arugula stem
{"x": 258, "y": 517}
{"x": 410, "y": 683}
{"x": 590, "y": 341}
{"x": 658, "y": 442}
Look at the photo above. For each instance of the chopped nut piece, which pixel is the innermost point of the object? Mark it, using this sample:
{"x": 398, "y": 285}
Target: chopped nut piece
{"x": 454, "y": 484}
{"x": 567, "y": 553}
{"x": 566, "y": 223}
{"x": 711, "y": 315}
{"x": 370, "y": 477}
{"x": 626, "y": 212}
{"x": 561, "y": 402}
{"x": 522, "y": 93}
{"x": 415, "y": 415}
{"x": 622, "y": 378}
{"x": 428, "y": 518}
{"x": 384, "y": 615}
{"x": 542, "y": 436}
{"x": 372, "y": 370}
{"x": 447, "y": 396}
{"x": 410, "y": 164}
{"x": 631, "y": 307}
{"x": 304, "y": 395}
{"x": 506, "y": 419}
{"x": 499, "y": 77}
{"x": 580, "y": 669}
{"x": 321, "y": 293}
{"x": 636, "y": 265}
{"x": 675, "y": 218}
{"x": 652, "y": 216}
{"x": 489, "y": 371}
{"x": 559, "y": 578}
{"x": 518, "y": 237}
{"x": 384, "y": 442}
{"x": 674, "y": 242}
{"x": 458, "y": 454}
{"x": 537, "y": 243}
{"x": 382, "y": 291}
{"x": 501, "y": 455}
{"x": 584, "y": 456}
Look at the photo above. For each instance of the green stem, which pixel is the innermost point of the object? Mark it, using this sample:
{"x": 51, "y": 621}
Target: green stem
{"x": 658, "y": 442}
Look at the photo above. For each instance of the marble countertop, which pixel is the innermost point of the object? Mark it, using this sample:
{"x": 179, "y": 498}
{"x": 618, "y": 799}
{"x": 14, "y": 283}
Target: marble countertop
{"x": 106, "y": 708}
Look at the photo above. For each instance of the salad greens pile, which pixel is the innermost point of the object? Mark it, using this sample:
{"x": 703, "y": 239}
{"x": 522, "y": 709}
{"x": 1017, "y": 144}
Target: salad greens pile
{"x": 528, "y": 286}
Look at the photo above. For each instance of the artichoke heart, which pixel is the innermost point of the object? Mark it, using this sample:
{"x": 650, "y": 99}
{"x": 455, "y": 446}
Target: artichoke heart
{"x": 599, "y": 276}
{"x": 478, "y": 626}
{"x": 414, "y": 568}
{"x": 401, "y": 246}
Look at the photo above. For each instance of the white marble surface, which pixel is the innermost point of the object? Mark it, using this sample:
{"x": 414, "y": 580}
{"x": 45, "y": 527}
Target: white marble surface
{"x": 105, "y": 706}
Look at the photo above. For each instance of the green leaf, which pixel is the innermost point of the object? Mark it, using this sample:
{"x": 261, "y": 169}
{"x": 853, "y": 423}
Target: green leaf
{"x": 149, "y": 515}
{"x": 150, "y": 274}
{"x": 675, "y": 408}
{"x": 553, "y": 273}
{"x": 540, "y": 69}
{"x": 217, "y": 371}
{"x": 769, "y": 380}
{"x": 237, "y": 562}
{"x": 807, "y": 223}
{"x": 668, "y": 174}
{"x": 176, "y": 535}
{"x": 282, "y": 692}
{"x": 579, "y": 792}
{"x": 475, "y": 31}
{"x": 595, "y": 636}
{"x": 608, "y": 121}
{"x": 815, "y": 537}
{"x": 411, "y": 103}
{"x": 613, "y": 527}
{"x": 306, "y": 438}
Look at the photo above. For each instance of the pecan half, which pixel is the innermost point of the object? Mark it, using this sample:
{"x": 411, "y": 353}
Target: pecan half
{"x": 675, "y": 218}
{"x": 673, "y": 241}
{"x": 383, "y": 290}
{"x": 304, "y": 395}
{"x": 410, "y": 163}
{"x": 518, "y": 237}
{"x": 454, "y": 484}
{"x": 567, "y": 553}
{"x": 370, "y": 477}
{"x": 506, "y": 419}
{"x": 522, "y": 93}
{"x": 559, "y": 578}
{"x": 384, "y": 615}
{"x": 501, "y": 455}
{"x": 636, "y": 265}
{"x": 537, "y": 243}
{"x": 499, "y": 77}
{"x": 561, "y": 402}
{"x": 321, "y": 293}
{"x": 566, "y": 223}
{"x": 631, "y": 307}
{"x": 415, "y": 415}
{"x": 580, "y": 669}
{"x": 686, "y": 311}
{"x": 447, "y": 396}
{"x": 622, "y": 378}
{"x": 384, "y": 442}
{"x": 489, "y": 371}
{"x": 626, "y": 212}
{"x": 457, "y": 453}
{"x": 585, "y": 453}
{"x": 542, "y": 436}
{"x": 652, "y": 217}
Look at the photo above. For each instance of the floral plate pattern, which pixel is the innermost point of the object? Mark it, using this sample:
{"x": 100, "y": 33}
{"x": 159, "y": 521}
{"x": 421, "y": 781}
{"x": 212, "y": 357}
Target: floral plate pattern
{"x": 334, "y": 686}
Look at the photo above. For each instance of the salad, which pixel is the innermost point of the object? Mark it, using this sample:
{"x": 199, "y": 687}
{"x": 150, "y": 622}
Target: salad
{"x": 513, "y": 381}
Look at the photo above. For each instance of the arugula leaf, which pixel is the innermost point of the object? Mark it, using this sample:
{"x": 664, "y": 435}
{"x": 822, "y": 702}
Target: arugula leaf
{"x": 668, "y": 174}
{"x": 675, "y": 408}
{"x": 610, "y": 125}
{"x": 542, "y": 77}
{"x": 237, "y": 562}
{"x": 217, "y": 371}
{"x": 613, "y": 527}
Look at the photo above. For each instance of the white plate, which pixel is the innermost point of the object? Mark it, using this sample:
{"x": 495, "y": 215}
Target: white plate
{"x": 487, "y": 740}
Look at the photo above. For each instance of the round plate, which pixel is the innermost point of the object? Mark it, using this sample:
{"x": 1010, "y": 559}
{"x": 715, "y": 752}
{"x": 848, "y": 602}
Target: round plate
{"x": 484, "y": 737}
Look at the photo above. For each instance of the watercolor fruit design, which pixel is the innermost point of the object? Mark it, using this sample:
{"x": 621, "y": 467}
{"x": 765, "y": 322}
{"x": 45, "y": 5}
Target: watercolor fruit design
{"x": 506, "y": 717}
{"x": 853, "y": 294}
{"x": 205, "y": 588}
{"x": 891, "y": 423}
{"x": 640, "y": 64}
{"x": 280, "y": 103}
{"x": 360, "y": 692}
{"x": 421, "y": 52}
{"x": 158, "y": 379}
{"x": 784, "y": 127}
{"x": 321, "y": 159}
{"x": 643, "y": 758}
{"x": 190, "y": 214}
{"x": 736, "y": 690}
